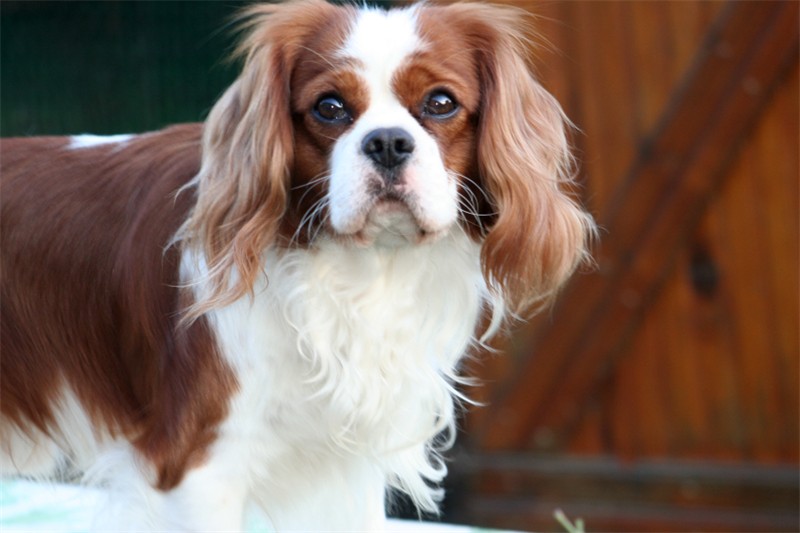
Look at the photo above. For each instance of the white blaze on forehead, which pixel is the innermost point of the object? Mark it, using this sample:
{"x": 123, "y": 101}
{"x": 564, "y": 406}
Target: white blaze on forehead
{"x": 380, "y": 41}
{"x": 378, "y": 45}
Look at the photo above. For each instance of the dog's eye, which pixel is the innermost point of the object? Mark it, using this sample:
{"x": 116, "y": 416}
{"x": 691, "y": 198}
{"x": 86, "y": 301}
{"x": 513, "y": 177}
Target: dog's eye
{"x": 332, "y": 109}
{"x": 440, "y": 105}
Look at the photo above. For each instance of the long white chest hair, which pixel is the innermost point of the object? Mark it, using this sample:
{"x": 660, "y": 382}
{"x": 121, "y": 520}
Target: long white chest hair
{"x": 358, "y": 351}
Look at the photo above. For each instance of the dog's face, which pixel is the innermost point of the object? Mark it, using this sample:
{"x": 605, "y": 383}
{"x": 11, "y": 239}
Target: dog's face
{"x": 384, "y": 130}
{"x": 390, "y": 128}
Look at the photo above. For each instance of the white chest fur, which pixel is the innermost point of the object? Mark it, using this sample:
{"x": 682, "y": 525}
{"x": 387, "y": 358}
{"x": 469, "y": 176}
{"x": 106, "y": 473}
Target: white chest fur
{"x": 347, "y": 352}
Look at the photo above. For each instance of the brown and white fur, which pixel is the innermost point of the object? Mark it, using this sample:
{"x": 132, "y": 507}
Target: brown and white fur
{"x": 270, "y": 308}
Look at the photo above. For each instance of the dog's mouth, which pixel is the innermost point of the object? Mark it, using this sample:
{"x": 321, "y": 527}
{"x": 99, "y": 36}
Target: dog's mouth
{"x": 390, "y": 223}
{"x": 390, "y": 220}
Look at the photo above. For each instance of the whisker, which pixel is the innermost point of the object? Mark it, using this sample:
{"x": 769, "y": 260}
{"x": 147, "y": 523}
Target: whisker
{"x": 308, "y": 188}
{"x": 467, "y": 205}
{"x": 468, "y": 201}
{"x": 474, "y": 199}
{"x": 303, "y": 197}
{"x": 320, "y": 210}
{"x": 305, "y": 219}
{"x": 320, "y": 224}
{"x": 314, "y": 181}
{"x": 465, "y": 208}
{"x": 308, "y": 219}
{"x": 474, "y": 183}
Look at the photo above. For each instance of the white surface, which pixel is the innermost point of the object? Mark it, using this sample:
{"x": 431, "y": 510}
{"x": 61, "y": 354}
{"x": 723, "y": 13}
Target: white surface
{"x": 27, "y": 506}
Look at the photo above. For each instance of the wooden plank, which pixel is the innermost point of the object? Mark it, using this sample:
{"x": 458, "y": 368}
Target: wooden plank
{"x": 744, "y": 406}
{"x": 756, "y": 209}
{"x": 521, "y": 491}
{"x": 718, "y": 341}
{"x": 743, "y": 221}
{"x": 784, "y": 240}
{"x": 688, "y": 387}
{"x": 651, "y": 44}
{"x": 538, "y": 515}
{"x": 747, "y": 53}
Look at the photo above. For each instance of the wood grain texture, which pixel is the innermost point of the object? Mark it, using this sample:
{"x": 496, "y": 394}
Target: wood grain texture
{"x": 619, "y": 364}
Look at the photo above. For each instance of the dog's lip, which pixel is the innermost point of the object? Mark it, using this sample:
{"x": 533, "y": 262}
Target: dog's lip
{"x": 388, "y": 215}
{"x": 394, "y": 216}
{"x": 387, "y": 220}
{"x": 388, "y": 204}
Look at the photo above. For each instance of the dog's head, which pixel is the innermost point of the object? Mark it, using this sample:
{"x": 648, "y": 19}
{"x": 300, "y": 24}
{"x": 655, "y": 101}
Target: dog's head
{"x": 388, "y": 128}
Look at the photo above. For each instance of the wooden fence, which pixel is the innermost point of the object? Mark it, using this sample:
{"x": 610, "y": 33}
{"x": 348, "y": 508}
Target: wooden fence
{"x": 665, "y": 382}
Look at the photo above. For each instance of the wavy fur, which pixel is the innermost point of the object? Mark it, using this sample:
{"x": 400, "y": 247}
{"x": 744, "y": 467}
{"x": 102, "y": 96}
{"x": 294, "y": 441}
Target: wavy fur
{"x": 327, "y": 299}
{"x": 248, "y": 153}
{"x": 540, "y": 234}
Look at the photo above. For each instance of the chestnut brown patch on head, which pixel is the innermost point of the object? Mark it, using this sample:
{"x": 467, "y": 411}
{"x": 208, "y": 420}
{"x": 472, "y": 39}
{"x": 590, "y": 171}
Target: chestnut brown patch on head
{"x": 534, "y": 234}
{"x": 319, "y": 72}
{"x": 317, "y": 77}
{"x": 247, "y": 197}
{"x": 449, "y": 62}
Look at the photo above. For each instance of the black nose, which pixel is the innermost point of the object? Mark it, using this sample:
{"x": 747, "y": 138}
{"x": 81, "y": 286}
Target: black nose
{"x": 388, "y": 147}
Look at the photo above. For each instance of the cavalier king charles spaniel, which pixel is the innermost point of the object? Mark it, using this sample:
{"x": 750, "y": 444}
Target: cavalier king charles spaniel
{"x": 269, "y": 309}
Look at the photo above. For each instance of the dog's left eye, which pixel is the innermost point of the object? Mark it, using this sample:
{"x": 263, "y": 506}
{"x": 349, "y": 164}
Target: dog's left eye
{"x": 439, "y": 104}
{"x": 332, "y": 109}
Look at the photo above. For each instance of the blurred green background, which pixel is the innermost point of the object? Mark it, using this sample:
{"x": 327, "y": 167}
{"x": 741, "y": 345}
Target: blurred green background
{"x": 111, "y": 67}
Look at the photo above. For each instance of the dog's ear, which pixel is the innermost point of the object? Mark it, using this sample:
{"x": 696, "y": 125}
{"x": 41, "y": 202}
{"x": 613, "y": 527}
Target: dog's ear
{"x": 540, "y": 233}
{"x": 247, "y": 154}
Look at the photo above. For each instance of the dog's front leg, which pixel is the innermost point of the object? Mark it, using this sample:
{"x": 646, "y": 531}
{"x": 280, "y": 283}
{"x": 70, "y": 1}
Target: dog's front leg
{"x": 210, "y": 497}
{"x": 334, "y": 493}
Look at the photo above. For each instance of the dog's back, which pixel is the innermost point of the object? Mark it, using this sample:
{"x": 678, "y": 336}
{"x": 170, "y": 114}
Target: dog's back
{"x": 82, "y": 329}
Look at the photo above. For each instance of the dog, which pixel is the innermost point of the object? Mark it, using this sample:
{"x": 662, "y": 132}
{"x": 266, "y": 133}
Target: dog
{"x": 270, "y": 308}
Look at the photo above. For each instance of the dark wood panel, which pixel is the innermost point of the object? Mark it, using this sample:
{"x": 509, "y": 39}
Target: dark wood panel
{"x": 563, "y": 55}
{"x": 523, "y": 491}
{"x": 713, "y": 370}
{"x": 708, "y": 368}
{"x": 656, "y": 208}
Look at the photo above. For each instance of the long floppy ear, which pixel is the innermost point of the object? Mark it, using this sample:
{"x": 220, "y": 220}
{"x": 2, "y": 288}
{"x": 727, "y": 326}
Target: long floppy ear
{"x": 540, "y": 234}
{"x": 247, "y": 155}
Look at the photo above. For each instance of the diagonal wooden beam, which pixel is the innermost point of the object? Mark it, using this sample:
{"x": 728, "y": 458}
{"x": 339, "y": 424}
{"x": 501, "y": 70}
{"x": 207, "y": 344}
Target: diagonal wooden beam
{"x": 749, "y": 50}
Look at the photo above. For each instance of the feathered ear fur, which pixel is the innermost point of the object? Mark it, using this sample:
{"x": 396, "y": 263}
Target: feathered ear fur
{"x": 540, "y": 234}
{"x": 243, "y": 184}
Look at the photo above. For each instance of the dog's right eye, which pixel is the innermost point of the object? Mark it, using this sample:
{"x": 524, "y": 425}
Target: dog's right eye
{"x": 440, "y": 105}
{"x": 332, "y": 109}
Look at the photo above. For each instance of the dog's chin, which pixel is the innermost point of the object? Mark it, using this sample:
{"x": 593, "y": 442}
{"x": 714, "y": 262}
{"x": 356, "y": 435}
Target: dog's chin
{"x": 390, "y": 223}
